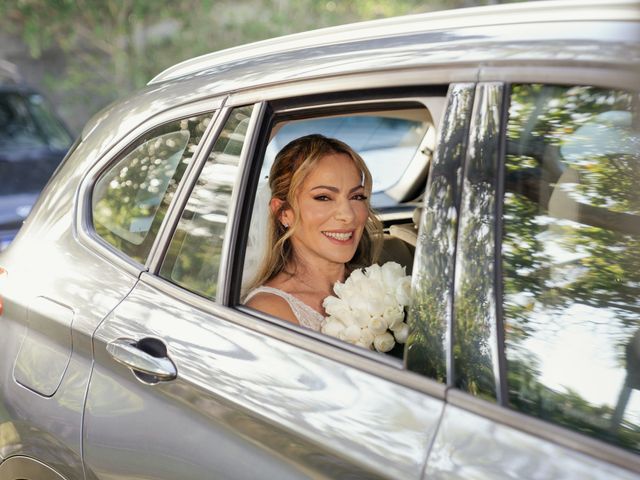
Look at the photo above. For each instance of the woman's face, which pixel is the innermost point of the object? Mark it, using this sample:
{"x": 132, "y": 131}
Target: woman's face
{"x": 333, "y": 210}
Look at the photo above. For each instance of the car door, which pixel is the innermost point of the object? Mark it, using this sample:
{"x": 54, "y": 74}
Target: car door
{"x": 186, "y": 387}
{"x": 544, "y": 331}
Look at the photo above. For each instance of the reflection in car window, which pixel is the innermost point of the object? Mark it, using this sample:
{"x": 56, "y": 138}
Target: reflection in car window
{"x": 193, "y": 258}
{"x": 571, "y": 259}
{"x": 131, "y": 199}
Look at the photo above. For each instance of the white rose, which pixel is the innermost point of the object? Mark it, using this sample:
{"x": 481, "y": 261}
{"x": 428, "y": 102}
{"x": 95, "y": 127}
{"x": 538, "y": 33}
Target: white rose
{"x": 374, "y": 272}
{"x": 332, "y": 327}
{"x": 394, "y": 316}
{"x": 390, "y": 301}
{"x": 338, "y": 288}
{"x": 383, "y": 343}
{"x": 366, "y": 337}
{"x": 351, "y": 334}
{"x": 391, "y": 273}
{"x": 401, "y": 333}
{"x": 337, "y": 308}
{"x": 359, "y": 312}
{"x": 403, "y": 291}
{"x": 375, "y": 304}
{"x": 378, "y": 325}
{"x": 356, "y": 277}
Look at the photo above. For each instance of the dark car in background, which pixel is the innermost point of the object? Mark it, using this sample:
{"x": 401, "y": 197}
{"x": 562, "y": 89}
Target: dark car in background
{"x": 33, "y": 142}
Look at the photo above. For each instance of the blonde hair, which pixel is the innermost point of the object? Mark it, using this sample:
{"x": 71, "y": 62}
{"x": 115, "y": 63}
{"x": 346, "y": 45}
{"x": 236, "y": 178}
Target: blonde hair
{"x": 290, "y": 168}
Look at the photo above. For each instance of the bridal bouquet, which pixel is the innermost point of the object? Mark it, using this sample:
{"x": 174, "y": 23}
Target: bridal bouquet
{"x": 368, "y": 309}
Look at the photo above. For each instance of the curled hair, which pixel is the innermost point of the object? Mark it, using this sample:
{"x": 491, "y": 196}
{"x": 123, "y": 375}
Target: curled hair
{"x": 291, "y": 166}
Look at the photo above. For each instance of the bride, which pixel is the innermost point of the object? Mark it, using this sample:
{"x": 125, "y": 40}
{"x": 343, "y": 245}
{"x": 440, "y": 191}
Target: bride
{"x": 321, "y": 227}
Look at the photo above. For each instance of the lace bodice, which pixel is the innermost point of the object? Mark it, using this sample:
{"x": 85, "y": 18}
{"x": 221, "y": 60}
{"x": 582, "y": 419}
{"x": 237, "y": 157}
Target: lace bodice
{"x": 307, "y": 316}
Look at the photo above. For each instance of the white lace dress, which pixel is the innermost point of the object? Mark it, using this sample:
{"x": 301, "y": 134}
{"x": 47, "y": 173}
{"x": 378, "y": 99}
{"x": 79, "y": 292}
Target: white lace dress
{"x": 307, "y": 316}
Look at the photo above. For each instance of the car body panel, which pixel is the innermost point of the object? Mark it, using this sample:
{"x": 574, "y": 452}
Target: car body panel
{"x": 510, "y": 18}
{"x": 294, "y": 413}
{"x": 77, "y": 283}
{"x": 470, "y": 446}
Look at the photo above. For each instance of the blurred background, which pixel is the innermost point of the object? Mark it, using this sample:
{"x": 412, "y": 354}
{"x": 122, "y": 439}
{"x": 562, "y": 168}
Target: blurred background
{"x": 83, "y": 54}
{"x": 61, "y": 61}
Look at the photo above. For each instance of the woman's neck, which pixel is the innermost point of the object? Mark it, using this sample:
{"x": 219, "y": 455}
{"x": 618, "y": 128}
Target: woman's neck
{"x": 319, "y": 278}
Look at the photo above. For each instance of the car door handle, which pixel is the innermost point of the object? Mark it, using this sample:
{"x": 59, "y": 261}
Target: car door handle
{"x": 147, "y": 358}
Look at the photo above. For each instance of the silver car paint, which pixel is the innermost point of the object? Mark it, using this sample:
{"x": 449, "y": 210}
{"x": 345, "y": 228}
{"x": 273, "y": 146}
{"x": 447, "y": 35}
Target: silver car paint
{"x": 243, "y": 395}
{"x": 472, "y": 447}
{"x": 46, "y": 260}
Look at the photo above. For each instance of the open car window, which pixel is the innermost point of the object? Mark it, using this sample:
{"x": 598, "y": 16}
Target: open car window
{"x": 396, "y": 141}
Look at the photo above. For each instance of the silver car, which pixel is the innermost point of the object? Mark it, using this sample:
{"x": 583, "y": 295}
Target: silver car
{"x": 504, "y": 144}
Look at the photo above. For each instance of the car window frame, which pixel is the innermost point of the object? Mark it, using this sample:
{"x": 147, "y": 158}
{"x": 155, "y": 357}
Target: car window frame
{"x": 309, "y": 107}
{"x": 172, "y": 220}
{"x": 83, "y": 222}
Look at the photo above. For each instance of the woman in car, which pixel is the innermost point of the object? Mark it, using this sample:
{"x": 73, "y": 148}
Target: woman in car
{"x": 321, "y": 227}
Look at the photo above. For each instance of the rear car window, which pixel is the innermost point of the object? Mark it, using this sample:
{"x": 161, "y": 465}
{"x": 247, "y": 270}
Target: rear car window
{"x": 571, "y": 259}
{"x": 131, "y": 198}
{"x": 193, "y": 258}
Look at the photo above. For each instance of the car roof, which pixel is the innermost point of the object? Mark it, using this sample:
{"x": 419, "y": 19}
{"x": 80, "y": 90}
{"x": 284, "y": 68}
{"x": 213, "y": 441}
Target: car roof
{"x": 476, "y": 24}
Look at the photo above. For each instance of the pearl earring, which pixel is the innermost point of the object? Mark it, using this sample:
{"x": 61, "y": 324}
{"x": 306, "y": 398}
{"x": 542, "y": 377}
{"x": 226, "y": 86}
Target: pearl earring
{"x": 285, "y": 225}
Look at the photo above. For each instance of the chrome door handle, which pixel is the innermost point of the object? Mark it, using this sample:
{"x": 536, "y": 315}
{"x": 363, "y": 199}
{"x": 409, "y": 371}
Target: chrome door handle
{"x": 153, "y": 362}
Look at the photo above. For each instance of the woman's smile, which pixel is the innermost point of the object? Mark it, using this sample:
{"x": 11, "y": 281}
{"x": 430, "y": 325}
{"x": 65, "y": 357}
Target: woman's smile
{"x": 340, "y": 237}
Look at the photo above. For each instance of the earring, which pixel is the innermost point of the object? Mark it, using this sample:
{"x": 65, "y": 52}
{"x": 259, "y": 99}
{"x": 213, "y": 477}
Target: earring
{"x": 285, "y": 225}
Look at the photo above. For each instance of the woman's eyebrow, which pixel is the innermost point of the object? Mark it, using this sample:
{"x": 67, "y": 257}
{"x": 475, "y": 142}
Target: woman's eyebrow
{"x": 336, "y": 189}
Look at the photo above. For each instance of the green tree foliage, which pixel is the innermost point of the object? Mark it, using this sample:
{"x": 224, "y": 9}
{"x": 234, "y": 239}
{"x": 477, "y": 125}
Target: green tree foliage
{"x": 115, "y": 46}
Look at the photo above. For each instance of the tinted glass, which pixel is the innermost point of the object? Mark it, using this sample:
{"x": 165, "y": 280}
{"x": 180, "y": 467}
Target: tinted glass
{"x": 131, "y": 198}
{"x": 56, "y": 135}
{"x": 193, "y": 259}
{"x": 429, "y": 317}
{"x": 26, "y": 121}
{"x": 475, "y": 341}
{"x": 571, "y": 259}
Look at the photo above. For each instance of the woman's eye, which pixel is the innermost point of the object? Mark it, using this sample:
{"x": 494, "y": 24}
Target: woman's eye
{"x": 360, "y": 196}
{"x": 322, "y": 198}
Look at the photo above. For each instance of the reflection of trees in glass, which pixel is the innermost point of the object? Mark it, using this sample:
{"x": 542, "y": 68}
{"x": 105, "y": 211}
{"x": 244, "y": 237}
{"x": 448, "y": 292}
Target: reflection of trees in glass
{"x": 131, "y": 199}
{"x": 571, "y": 238}
{"x": 193, "y": 258}
{"x": 474, "y": 334}
{"x": 433, "y": 273}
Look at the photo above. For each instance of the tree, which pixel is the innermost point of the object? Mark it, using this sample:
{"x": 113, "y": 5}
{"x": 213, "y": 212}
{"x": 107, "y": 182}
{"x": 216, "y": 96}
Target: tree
{"x": 115, "y": 46}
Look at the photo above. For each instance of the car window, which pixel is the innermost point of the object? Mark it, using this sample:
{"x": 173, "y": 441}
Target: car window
{"x": 32, "y": 144}
{"x": 571, "y": 259}
{"x": 431, "y": 311}
{"x": 193, "y": 258}
{"x": 27, "y": 121}
{"x": 131, "y": 198}
{"x": 387, "y": 143}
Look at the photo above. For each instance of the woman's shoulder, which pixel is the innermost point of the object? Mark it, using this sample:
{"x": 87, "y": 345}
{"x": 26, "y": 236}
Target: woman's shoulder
{"x": 272, "y": 301}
